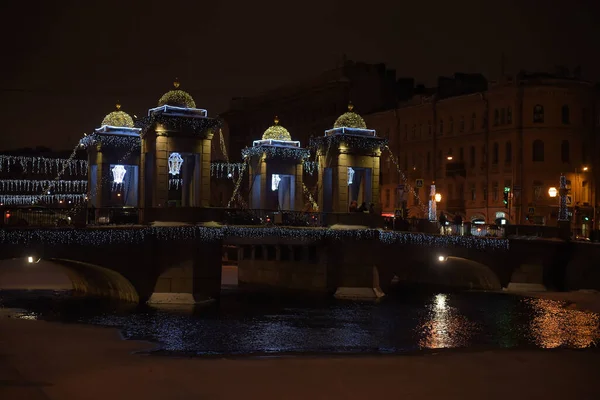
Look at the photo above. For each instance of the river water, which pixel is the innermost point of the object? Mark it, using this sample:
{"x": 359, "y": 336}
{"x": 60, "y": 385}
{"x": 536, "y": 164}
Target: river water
{"x": 264, "y": 325}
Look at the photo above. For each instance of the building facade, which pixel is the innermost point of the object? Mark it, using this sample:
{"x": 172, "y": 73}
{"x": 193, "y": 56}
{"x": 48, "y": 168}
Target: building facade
{"x": 516, "y": 136}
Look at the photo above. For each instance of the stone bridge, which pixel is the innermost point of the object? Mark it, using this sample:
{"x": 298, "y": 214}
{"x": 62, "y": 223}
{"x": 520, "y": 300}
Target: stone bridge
{"x": 183, "y": 264}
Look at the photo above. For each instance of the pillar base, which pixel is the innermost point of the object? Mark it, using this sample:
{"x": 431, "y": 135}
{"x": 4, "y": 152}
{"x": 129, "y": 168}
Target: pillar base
{"x": 358, "y": 293}
{"x": 171, "y": 298}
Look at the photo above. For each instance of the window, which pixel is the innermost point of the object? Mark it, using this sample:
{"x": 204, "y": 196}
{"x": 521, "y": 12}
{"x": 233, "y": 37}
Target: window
{"x": 461, "y": 191}
{"x": 564, "y": 151}
{"x": 502, "y": 116}
{"x": 428, "y": 161}
{"x": 538, "y": 151}
{"x": 461, "y": 126}
{"x": 538, "y": 114}
{"x": 494, "y": 191}
{"x": 420, "y": 131}
{"x": 565, "y": 114}
{"x": 509, "y": 115}
{"x": 429, "y": 128}
{"x": 508, "y": 153}
{"x": 451, "y": 125}
{"x": 473, "y": 192}
{"x": 495, "y": 153}
{"x": 461, "y": 155}
{"x": 485, "y": 191}
{"x": 472, "y": 156}
{"x": 387, "y": 198}
{"x": 473, "y": 121}
{"x": 440, "y": 155}
{"x": 538, "y": 189}
{"x": 414, "y": 131}
{"x": 441, "y": 132}
{"x": 496, "y": 117}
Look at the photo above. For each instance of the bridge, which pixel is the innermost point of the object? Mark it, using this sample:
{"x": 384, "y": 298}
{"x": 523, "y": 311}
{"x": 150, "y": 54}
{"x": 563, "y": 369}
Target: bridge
{"x": 182, "y": 264}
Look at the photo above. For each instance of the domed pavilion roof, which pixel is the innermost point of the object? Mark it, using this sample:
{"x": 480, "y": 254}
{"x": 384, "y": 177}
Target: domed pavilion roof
{"x": 277, "y": 132}
{"x": 177, "y": 98}
{"x": 118, "y": 118}
{"x": 350, "y": 119}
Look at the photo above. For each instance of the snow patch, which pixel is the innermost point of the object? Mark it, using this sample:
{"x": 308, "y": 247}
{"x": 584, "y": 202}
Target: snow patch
{"x": 343, "y": 227}
{"x": 212, "y": 224}
{"x": 168, "y": 223}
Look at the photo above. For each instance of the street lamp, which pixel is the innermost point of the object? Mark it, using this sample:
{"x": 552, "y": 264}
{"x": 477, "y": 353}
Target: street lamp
{"x": 438, "y": 197}
{"x": 449, "y": 158}
{"x": 552, "y": 192}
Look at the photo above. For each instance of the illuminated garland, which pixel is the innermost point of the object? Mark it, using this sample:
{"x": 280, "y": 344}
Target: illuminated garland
{"x": 135, "y": 235}
{"x": 198, "y": 126}
{"x": 276, "y": 132}
{"x": 237, "y": 186}
{"x": 222, "y": 145}
{"x": 111, "y": 141}
{"x": 368, "y": 143}
{"x": 43, "y": 165}
{"x": 226, "y": 170}
{"x": 26, "y": 185}
{"x": 407, "y": 184}
{"x": 309, "y": 195}
{"x": 46, "y": 198}
{"x": 283, "y": 152}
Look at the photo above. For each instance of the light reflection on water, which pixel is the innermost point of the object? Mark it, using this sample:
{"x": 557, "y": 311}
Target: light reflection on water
{"x": 244, "y": 324}
{"x": 553, "y": 325}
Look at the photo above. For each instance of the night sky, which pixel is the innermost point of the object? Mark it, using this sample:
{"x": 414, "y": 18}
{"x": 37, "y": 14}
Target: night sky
{"x": 64, "y": 65}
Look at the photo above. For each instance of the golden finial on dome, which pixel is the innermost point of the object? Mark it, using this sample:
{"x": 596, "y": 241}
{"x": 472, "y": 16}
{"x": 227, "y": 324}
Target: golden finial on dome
{"x": 118, "y": 106}
{"x": 350, "y": 106}
{"x": 276, "y": 120}
{"x": 176, "y": 83}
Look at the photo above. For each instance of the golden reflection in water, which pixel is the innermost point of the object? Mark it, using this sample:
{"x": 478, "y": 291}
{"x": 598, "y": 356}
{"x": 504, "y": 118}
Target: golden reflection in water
{"x": 444, "y": 327}
{"x": 553, "y": 325}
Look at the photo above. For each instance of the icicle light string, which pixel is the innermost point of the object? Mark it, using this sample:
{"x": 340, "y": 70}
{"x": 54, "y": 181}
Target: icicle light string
{"x": 42, "y": 165}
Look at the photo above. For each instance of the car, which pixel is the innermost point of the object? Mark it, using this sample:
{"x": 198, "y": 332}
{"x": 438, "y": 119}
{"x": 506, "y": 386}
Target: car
{"x": 34, "y": 216}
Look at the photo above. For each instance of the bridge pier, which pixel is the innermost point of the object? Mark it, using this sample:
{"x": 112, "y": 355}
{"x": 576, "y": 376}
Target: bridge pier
{"x": 355, "y": 268}
{"x": 192, "y": 280}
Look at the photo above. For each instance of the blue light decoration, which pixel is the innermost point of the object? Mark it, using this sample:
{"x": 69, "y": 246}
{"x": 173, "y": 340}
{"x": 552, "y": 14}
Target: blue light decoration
{"x": 275, "y": 179}
{"x": 350, "y": 175}
{"x": 175, "y": 162}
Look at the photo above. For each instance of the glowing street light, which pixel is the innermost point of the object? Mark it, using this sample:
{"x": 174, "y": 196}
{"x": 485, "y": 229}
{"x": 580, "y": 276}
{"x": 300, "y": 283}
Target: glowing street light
{"x": 584, "y": 169}
{"x": 441, "y": 258}
{"x": 449, "y": 158}
{"x": 438, "y": 197}
{"x": 552, "y": 192}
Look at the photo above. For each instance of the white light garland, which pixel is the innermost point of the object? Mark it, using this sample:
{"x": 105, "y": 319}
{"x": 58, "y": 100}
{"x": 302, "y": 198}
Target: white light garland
{"x": 43, "y": 165}
{"x": 44, "y": 198}
{"x": 31, "y": 185}
{"x": 275, "y": 179}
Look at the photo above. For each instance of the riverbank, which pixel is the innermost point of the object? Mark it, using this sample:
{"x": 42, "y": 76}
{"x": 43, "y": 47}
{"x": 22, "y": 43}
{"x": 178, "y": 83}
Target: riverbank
{"x": 44, "y": 360}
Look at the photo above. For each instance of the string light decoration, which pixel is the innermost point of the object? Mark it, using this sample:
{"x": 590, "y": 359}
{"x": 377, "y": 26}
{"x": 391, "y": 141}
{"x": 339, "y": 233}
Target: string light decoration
{"x": 228, "y": 170}
{"x": 350, "y": 119}
{"x": 26, "y": 199}
{"x": 175, "y": 162}
{"x": 118, "y": 172}
{"x": 238, "y": 183}
{"x": 137, "y": 235}
{"x": 118, "y": 118}
{"x": 367, "y": 143}
{"x": 28, "y": 185}
{"x": 177, "y": 97}
{"x": 42, "y": 165}
{"x": 111, "y": 141}
{"x": 292, "y": 153}
{"x": 277, "y": 132}
{"x": 407, "y": 184}
{"x": 310, "y": 197}
{"x": 310, "y": 167}
{"x": 222, "y": 145}
{"x": 198, "y": 125}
